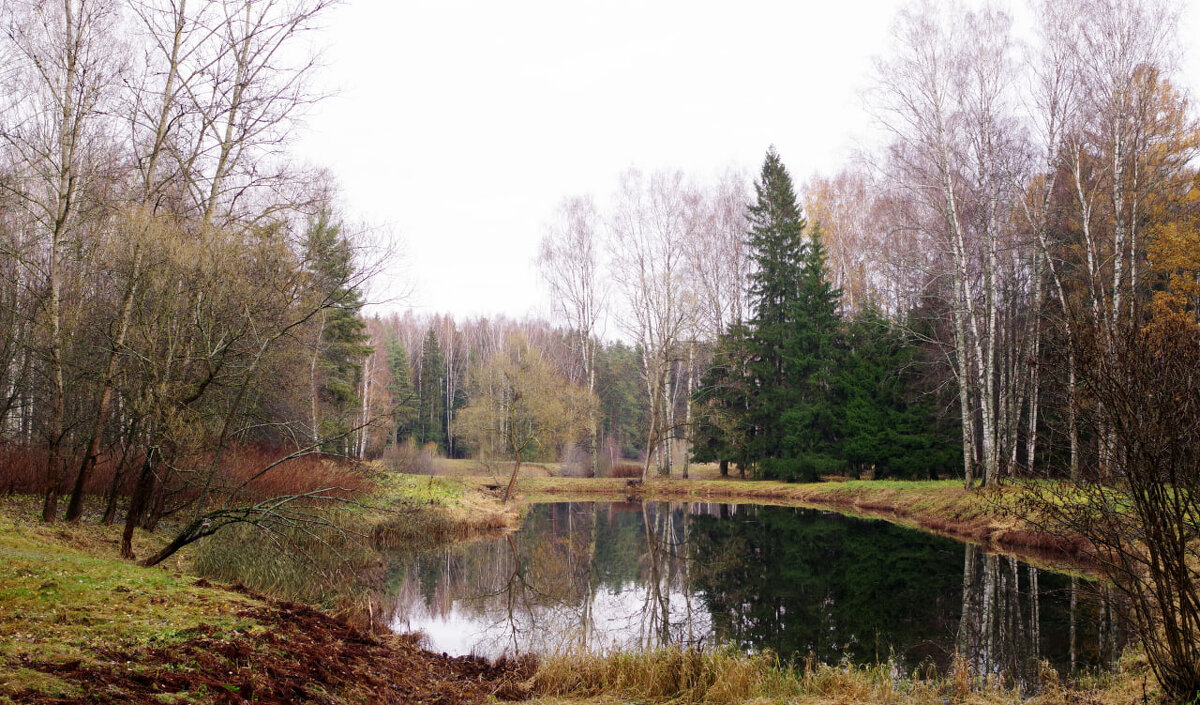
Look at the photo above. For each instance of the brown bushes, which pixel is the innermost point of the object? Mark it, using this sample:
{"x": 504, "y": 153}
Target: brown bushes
{"x": 1075, "y": 548}
{"x": 308, "y": 473}
{"x": 23, "y": 471}
{"x": 626, "y": 470}
{"x": 410, "y": 458}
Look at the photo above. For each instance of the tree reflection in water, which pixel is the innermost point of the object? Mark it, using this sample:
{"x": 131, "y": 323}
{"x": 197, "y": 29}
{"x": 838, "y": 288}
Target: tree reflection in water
{"x": 601, "y": 576}
{"x": 1009, "y": 617}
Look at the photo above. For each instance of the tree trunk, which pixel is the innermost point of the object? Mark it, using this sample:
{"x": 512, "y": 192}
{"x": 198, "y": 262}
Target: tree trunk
{"x": 75, "y": 508}
{"x": 366, "y": 403}
{"x": 687, "y": 409}
{"x": 141, "y": 493}
{"x": 314, "y": 395}
{"x": 512, "y": 480}
{"x": 183, "y": 538}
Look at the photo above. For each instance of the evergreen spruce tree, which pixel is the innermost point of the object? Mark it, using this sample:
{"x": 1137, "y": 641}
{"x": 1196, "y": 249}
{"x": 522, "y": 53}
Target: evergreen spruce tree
{"x": 343, "y": 340}
{"x": 811, "y": 356}
{"x": 886, "y": 423}
{"x": 404, "y": 400}
{"x": 777, "y": 254}
{"x": 431, "y": 397}
{"x": 624, "y": 418}
{"x": 768, "y": 399}
{"x": 721, "y": 400}
{"x": 867, "y": 382}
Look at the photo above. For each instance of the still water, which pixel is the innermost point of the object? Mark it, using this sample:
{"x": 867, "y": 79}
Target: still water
{"x": 604, "y": 576}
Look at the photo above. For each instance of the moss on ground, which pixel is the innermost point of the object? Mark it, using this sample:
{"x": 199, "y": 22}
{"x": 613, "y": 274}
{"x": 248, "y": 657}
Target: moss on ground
{"x": 80, "y": 625}
{"x": 61, "y": 599}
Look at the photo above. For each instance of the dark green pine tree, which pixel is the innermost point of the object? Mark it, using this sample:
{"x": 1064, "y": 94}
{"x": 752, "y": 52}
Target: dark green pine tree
{"x": 887, "y": 423}
{"x": 720, "y": 402}
{"x": 343, "y": 340}
{"x": 431, "y": 397}
{"x": 624, "y": 416}
{"x": 811, "y": 356}
{"x": 769, "y": 401}
{"x": 777, "y": 250}
{"x": 867, "y": 382}
{"x": 404, "y": 397}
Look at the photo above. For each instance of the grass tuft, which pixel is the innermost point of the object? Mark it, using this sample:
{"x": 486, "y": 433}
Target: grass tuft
{"x": 725, "y": 676}
{"x": 675, "y": 674}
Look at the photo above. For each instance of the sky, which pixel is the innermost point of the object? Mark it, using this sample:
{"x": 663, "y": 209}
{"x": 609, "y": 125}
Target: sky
{"x": 456, "y": 127}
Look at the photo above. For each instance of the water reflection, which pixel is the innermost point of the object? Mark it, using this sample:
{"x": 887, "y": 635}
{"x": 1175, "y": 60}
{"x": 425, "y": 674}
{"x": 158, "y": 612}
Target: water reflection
{"x": 603, "y": 576}
{"x": 1013, "y": 614}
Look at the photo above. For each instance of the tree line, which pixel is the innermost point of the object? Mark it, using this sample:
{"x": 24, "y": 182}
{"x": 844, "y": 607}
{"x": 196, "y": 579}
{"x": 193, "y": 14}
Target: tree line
{"x": 1029, "y": 199}
{"x": 441, "y": 374}
{"x": 174, "y": 286}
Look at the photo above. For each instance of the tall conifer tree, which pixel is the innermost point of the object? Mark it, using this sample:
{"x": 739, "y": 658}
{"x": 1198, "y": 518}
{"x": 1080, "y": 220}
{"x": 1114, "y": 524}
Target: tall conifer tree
{"x": 431, "y": 398}
{"x": 770, "y": 403}
{"x": 404, "y": 399}
{"x": 777, "y": 254}
{"x": 343, "y": 343}
{"x": 811, "y": 355}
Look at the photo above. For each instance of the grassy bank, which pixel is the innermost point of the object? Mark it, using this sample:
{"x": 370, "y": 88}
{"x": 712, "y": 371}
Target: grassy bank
{"x": 338, "y": 565}
{"x": 80, "y": 625}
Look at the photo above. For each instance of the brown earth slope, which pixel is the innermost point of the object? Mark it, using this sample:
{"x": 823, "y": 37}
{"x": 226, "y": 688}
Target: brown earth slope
{"x": 294, "y": 655}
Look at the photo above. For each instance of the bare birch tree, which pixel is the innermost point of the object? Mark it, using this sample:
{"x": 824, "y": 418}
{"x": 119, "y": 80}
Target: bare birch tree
{"x": 569, "y": 261}
{"x": 715, "y": 249}
{"x": 649, "y": 268}
{"x": 1101, "y": 96}
{"x": 66, "y": 59}
{"x": 945, "y": 100}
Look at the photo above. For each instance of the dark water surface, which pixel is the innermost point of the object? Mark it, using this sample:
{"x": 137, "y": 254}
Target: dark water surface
{"x": 603, "y": 576}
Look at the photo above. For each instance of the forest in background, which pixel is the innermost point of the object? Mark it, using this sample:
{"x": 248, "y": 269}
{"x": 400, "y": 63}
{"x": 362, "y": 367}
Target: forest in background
{"x": 941, "y": 306}
{"x": 176, "y": 285}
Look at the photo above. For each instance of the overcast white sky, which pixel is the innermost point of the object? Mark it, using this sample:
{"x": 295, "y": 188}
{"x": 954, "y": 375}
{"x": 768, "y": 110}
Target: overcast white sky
{"x": 459, "y": 125}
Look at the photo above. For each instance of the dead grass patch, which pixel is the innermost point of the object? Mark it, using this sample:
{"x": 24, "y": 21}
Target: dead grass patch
{"x": 674, "y": 675}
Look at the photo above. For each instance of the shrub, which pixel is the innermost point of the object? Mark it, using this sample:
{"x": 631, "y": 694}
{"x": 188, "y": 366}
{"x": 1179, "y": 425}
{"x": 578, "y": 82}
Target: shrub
{"x": 307, "y": 473}
{"x": 628, "y": 470}
{"x": 806, "y": 468}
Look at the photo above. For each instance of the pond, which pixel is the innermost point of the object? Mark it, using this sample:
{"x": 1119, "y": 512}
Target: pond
{"x": 802, "y": 582}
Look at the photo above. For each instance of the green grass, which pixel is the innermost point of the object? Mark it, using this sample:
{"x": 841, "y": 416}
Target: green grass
{"x": 59, "y": 601}
{"x": 419, "y": 489}
{"x": 66, "y": 597}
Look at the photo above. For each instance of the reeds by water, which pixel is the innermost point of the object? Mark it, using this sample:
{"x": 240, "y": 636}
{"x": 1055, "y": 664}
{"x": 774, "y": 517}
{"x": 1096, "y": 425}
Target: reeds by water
{"x": 726, "y": 676}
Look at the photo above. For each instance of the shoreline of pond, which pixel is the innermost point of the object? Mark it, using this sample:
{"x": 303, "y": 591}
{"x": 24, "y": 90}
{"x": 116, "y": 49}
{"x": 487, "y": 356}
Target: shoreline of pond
{"x": 986, "y": 516}
{"x": 174, "y": 613}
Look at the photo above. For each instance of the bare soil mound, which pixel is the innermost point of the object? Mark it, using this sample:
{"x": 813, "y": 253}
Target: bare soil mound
{"x": 298, "y": 656}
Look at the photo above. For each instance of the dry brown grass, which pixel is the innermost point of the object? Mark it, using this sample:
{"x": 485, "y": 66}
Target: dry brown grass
{"x": 723, "y": 677}
{"x": 626, "y": 470}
